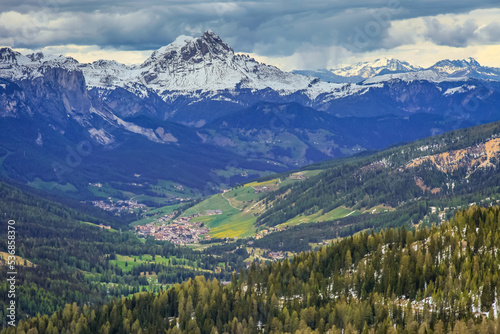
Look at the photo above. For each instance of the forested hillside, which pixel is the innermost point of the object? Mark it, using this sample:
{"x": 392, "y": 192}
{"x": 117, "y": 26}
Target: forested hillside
{"x": 459, "y": 163}
{"x": 64, "y": 257}
{"x": 442, "y": 279}
{"x": 421, "y": 182}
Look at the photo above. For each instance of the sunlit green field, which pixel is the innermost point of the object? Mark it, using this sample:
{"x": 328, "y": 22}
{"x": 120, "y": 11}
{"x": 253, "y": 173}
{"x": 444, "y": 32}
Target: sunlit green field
{"x": 240, "y": 207}
{"x": 126, "y": 263}
{"x": 52, "y": 186}
{"x": 336, "y": 213}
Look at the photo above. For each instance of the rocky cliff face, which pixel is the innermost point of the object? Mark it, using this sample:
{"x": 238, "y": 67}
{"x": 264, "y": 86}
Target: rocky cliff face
{"x": 482, "y": 155}
{"x": 59, "y": 93}
{"x": 13, "y": 100}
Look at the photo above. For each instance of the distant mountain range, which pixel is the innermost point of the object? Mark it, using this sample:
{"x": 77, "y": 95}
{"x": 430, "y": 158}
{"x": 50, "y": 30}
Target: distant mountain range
{"x": 361, "y": 71}
{"x": 386, "y": 69}
{"x": 198, "y": 114}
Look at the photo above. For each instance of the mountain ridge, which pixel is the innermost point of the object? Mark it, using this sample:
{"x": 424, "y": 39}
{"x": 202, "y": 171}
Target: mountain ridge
{"x": 199, "y": 81}
{"x": 389, "y": 68}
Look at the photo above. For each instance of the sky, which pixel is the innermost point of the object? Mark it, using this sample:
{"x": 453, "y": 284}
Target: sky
{"x": 290, "y": 34}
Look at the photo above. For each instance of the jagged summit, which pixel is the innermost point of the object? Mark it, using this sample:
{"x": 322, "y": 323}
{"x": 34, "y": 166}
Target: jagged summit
{"x": 469, "y": 62}
{"x": 469, "y": 67}
{"x": 362, "y": 70}
{"x": 212, "y": 38}
{"x": 9, "y": 56}
{"x": 457, "y": 67}
{"x": 37, "y": 56}
{"x": 196, "y": 50}
{"x": 207, "y": 63}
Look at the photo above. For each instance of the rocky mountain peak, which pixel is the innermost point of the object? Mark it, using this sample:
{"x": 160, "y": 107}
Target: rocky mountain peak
{"x": 37, "y": 56}
{"x": 9, "y": 56}
{"x": 380, "y": 66}
{"x": 191, "y": 49}
{"x": 213, "y": 40}
{"x": 473, "y": 62}
{"x": 459, "y": 63}
{"x": 208, "y": 45}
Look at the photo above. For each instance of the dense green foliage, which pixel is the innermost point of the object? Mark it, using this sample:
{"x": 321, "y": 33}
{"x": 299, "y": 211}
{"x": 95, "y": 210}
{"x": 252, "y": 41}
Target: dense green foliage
{"x": 298, "y": 238}
{"x": 76, "y": 262}
{"x": 433, "y": 280}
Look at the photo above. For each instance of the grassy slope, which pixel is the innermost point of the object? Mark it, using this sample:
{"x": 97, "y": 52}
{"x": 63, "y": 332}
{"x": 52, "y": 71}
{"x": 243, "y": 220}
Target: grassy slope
{"x": 52, "y": 186}
{"x": 126, "y": 263}
{"x": 233, "y": 222}
{"x": 336, "y": 213}
{"x": 239, "y": 206}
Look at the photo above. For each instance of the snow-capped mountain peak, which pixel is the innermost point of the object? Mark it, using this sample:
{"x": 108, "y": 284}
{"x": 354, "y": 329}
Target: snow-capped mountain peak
{"x": 473, "y": 62}
{"x": 459, "y": 63}
{"x": 53, "y": 60}
{"x": 37, "y": 56}
{"x": 9, "y": 56}
{"x": 363, "y": 70}
{"x": 208, "y": 64}
{"x": 191, "y": 49}
{"x": 465, "y": 68}
{"x": 379, "y": 66}
{"x": 461, "y": 66}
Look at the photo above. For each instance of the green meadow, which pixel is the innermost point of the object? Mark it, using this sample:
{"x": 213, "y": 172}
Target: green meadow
{"x": 240, "y": 207}
{"x": 126, "y": 263}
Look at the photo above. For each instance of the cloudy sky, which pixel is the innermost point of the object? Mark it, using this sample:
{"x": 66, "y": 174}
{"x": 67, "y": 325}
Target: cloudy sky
{"x": 291, "y": 34}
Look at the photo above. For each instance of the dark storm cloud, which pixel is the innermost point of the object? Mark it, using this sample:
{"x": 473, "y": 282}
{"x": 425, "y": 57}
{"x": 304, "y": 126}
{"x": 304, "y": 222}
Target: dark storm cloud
{"x": 272, "y": 28}
{"x": 456, "y": 35}
{"x": 491, "y": 32}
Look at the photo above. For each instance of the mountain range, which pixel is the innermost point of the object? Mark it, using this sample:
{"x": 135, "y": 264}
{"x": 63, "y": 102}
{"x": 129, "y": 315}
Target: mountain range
{"x": 199, "y": 114}
{"x": 389, "y": 68}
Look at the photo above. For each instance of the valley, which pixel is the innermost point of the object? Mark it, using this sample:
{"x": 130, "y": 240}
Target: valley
{"x": 409, "y": 179}
{"x": 204, "y": 191}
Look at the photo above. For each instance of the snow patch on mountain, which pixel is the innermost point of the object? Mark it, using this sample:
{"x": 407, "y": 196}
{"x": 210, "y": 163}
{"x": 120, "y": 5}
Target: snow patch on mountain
{"x": 39, "y": 140}
{"x": 426, "y": 75}
{"x": 101, "y": 136}
{"x": 148, "y": 133}
{"x": 461, "y": 89}
{"x": 159, "y": 135}
{"x": 165, "y": 136}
